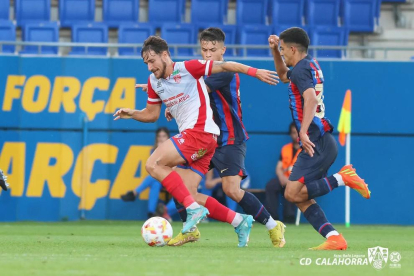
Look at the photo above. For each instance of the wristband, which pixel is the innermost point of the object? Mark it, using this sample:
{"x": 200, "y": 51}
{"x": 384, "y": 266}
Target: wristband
{"x": 252, "y": 71}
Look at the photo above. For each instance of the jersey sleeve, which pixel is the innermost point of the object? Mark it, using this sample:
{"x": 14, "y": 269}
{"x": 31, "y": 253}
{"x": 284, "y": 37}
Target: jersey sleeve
{"x": 302, "y": 78}
{"x": 217, "y": 81}
{"x": 152, "y": 96}
{"x": 199, "y": 68}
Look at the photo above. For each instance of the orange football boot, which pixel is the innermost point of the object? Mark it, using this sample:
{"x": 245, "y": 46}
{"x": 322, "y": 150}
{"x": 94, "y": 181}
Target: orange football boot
{"x": 332, "y": 243}
{"x": 352, "y": 180}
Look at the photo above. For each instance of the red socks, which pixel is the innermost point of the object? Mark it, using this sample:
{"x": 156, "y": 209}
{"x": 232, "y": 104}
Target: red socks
{"x": 218, "y": 211}
{"x": 175, "y": 186}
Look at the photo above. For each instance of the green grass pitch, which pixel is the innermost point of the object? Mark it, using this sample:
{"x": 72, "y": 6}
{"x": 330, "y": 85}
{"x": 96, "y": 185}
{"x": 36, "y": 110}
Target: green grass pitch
{"x": 116, "y": 248}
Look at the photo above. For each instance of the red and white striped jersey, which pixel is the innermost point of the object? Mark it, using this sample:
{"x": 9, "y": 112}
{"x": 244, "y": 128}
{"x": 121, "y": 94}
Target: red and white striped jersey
{"x": 185, "y": 94}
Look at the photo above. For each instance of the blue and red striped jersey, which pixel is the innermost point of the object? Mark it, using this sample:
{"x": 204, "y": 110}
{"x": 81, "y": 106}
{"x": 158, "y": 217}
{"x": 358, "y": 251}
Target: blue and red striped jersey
{"x": 226, "y": 105}
{"x": 308, "y": 74}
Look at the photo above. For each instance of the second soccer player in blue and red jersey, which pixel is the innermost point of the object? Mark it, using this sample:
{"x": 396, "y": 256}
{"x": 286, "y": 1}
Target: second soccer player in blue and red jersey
{"x": 309, "y": 179}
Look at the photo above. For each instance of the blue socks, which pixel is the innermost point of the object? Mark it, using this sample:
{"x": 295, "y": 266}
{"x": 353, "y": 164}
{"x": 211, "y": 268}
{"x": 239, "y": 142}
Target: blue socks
{"x": 252, "y": 206}
{"x": 321, "y": 187}
{"x": 181, "y": 210}
{"x": 315, "y": 215}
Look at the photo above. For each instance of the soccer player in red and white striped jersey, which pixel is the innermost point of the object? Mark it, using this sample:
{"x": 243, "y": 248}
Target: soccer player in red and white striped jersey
{"x": 180, "y": 85}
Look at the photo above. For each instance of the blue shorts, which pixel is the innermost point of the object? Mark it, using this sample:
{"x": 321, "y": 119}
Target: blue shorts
{"x": 308, "y": 168}
{"x": 229, "y": 160}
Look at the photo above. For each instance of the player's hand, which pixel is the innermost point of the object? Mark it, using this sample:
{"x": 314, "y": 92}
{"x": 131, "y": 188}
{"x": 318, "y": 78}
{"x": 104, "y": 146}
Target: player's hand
{"x": 307, "y": 145}
{"x": 123, "y": 113}
{"x": 168, "y": 114}
{"x": 267, "y": 76}
{"x": 143, "y": 86}
{"x": 274, "y": 42}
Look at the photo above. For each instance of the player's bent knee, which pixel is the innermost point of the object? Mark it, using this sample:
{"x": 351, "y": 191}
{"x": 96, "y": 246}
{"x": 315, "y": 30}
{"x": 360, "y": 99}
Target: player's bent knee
{"x": 150, "y": 166}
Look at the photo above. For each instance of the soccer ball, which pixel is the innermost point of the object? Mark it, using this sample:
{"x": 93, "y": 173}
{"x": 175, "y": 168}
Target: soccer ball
{"x": 156, "y": 231}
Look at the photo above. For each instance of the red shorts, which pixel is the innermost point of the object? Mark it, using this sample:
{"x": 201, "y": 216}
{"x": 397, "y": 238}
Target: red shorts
{"x": 197, "y": 148}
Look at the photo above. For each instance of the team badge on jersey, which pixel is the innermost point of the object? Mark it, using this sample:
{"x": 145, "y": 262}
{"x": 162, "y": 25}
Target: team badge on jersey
{"x": 200, "y": 153}
{"x": 177, "y": 78}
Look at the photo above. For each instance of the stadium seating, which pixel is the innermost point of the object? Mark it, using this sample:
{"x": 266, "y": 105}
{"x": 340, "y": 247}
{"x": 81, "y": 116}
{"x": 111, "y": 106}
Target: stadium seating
{"x": 4, "y": 9}
{"x": 328, "y": 36}
{"x": 76, "y": 12}
{"x": 199, "y": 8}
{"x": 41, "y": 32}
{"x": 116, "y": 12}
{"x": 180, "y": 34}
{"x": 7, "y": 33}
{"x": 278, "y": 29}
{"x": 251, "y": 11}
{"x": 359, "y": 15}
{"x": 230, "y": 32}
{"x": 133, "y": 33}
{"x": 165, "y": 11}
{"x": 89, "y": 33}
{"x": 287, "y": 12}
{"x": 254, "y": 35}
{"x": 322, "y": 12}
{"x": 32, "y": 11}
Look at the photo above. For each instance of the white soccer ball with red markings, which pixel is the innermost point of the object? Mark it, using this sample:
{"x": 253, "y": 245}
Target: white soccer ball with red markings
{"x": 156, "y": 231}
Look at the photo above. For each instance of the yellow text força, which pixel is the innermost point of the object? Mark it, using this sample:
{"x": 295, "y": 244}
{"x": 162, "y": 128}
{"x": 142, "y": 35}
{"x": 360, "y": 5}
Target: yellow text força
{"x": 43, "y": 172}
{"x": 86, "y": 103}
{"x": 65, "y": 90}
{"x": 13, "y": 156}
{"x": 81, "y": 179}
{"x": 12, "y": 92}
{"x": 125, "y": 180}
{"x": 34, "y": 83}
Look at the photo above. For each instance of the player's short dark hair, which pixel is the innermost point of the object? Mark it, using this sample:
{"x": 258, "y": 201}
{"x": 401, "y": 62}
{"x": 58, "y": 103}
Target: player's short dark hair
{"x": 213, "y": 34}
{"x": 291, "y": 125}
{"x": 156, "y": 44}
{"x": 296, "y": 35}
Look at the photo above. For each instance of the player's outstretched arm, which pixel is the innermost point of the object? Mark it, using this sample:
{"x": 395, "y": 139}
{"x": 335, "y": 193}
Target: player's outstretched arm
{"x": 280, "y": 65}
{"x": 150, "y": 114}
{"x": 266, "y": 76}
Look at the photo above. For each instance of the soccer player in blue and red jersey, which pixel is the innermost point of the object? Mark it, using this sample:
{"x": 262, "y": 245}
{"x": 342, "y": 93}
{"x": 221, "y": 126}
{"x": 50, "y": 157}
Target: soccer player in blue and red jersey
{"x": 308, "y": 179}
{"x": 229, "y": 156}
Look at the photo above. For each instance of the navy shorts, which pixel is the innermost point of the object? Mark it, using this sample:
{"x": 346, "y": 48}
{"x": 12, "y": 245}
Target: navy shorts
{"x": 229, "y": 160}
{"x": 308, "y": 168}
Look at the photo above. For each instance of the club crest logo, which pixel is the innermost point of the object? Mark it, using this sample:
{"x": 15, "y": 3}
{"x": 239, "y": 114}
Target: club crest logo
{"x": 177, "y": 78}
{"x": 200, "y": 153}
{"x": 378, "y": 257}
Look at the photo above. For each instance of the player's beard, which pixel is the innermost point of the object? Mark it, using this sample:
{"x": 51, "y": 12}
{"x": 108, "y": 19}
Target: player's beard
{"x": 164, "y": 69}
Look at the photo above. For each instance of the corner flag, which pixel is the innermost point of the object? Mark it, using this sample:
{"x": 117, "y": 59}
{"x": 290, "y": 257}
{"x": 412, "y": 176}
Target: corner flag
{"x": 344, "y": 125}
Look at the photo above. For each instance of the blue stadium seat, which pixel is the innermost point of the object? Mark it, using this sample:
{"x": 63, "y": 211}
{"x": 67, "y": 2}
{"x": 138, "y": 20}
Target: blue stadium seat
{"x": 329, "y": 36}
{"x": 133, "y": 33}
{"x": 180, "y": 34}
{"x": 116, "y": 12}
{"x": 4, "y": 9}
{"x": 255, "y": 35}
{"x": 231, "y": 33}
{"x": 359, "y": 15}
{"x": 41, "y": 32}
{"x": 76, "y": 12}
{"x": 322, "y": 13}
{"x": 199, "y": 8}
{"x": 251, "y": 11}
{"x": 7, "y": 33}
{"x": 287, "y": 12}
{"x": 32, "y": 11}
{"x": 90, "y": 33}
{"x": 165, "y": 11}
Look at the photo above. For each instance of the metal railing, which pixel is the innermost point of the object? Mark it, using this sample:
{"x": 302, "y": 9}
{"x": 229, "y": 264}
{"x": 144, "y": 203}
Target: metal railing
{"x": 346, "y": 52}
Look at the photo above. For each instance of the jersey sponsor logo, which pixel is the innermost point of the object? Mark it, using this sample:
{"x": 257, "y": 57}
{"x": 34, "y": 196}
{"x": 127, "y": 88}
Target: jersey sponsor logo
{"x": 159, "y": 83}
{"x": 200, "y": 153}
